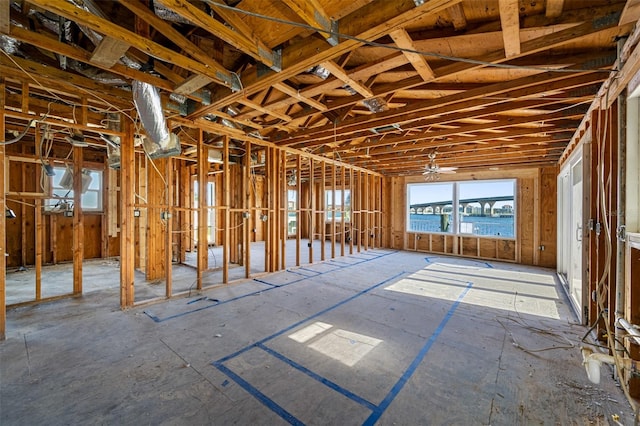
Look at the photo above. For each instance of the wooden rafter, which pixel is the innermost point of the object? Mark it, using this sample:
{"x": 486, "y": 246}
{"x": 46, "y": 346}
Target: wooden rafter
{"x": 117, "y": 32}
{"x": 419, "y": 62}
{"x": 251, "y": 46}
{"x": 510, "y": 20}
{"x": 312, "y": 12}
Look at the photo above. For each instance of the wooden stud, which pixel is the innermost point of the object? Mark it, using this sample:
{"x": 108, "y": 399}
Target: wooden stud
{"x": 247, "y": 208}
{"x": 284, "y": 215}
{"x": 3, "y": 220}
{"x": 343, "y": 209}
{"x": 333, "y": 211}
{"x": 168, "y": 267}
{"x": 203, "y": 211}
{"x": 312, "y": 209}
{"x": 323, "y": 208}
{"x": 127, "y": 225}
{"x": 298, "y": 207}
{"x": 39, "y": 243}
{"x": 78, "y": 221}
{"x": 227, "y": 213}
{"x": 351, "y": 221}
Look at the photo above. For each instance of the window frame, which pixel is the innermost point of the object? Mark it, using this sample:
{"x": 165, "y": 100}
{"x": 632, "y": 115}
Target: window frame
{"x": 455, "y": 200}
{"x": 51, "y": 202}
{"x": 329, "y": 213}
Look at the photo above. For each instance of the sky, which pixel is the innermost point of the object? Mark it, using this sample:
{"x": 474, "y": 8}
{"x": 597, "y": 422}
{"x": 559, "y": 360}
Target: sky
{"x": 422, "y": 193}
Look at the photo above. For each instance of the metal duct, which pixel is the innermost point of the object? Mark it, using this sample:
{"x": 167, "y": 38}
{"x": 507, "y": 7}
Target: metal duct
{"x": 160, "y": 143}
{"x": 9, "y": 44}
{"x": 149, "y": 106}
{"x": 169, "y": 15}
{"x": 96, "y": 74}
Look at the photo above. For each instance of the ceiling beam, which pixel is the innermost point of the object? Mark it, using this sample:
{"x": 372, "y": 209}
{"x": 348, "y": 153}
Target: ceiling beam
{"x": 251, "y": 46}
{"x": 458, "y": 18}
{"x": 402, "y": 39}
{"x": 52, "y": 44}
{"x": 236, "y": 22}
{"x": 257, "y": 106}
{"x": 190, "y": 84}
{"x": 108, "y": 28}
{"x": 293, "y": 93}
{"x": 5, "y": 16}
{"x": 372, "y": 21}
{"x": 312, "y": 12}
{"x": 339, "y": 73}
{"x": 473, "y": 98}
{"x": 510, "y": 20}
{"x": 108, "y": 52}
{"x": 554, "y": 8}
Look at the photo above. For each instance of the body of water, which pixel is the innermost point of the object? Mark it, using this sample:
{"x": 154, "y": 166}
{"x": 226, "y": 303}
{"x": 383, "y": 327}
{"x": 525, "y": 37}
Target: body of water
{"x": 476, "y": 225}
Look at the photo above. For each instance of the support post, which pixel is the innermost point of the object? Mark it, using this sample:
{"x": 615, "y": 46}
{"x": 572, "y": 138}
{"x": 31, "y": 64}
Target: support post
{"x": 203, "y": 212}
{"x": 3, "y": 220}
{"x": 78, "y": 221}
{"x": 227, "y": 214}
{"x": 127, "y": 226}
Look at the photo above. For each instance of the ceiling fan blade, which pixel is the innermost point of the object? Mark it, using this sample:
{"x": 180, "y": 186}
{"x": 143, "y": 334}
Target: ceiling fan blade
{"x": 447, "y": 169}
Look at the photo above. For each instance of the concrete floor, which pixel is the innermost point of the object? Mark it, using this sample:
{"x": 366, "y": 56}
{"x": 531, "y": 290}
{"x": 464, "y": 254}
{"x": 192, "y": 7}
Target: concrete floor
{"x": 377, "y": 337}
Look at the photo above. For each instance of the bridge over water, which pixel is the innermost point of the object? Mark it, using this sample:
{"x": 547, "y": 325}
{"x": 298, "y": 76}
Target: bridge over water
{"x": 435, "y": 207}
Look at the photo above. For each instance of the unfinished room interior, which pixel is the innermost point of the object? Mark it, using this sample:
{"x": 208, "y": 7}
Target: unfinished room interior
{"x": 398, "y": 212}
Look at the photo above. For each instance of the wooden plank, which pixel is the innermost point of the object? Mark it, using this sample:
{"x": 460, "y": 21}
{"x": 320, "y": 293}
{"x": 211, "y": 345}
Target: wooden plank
{"x": 333, "y": 211}
{"x": 227, "y": 214}
{"x": 554, "y": 8}
{"x": 323, "y": 208}
{"x": 293, "y": 93}
{"x": 78, "y": 221}
{"x": 127, "y": 225}
{"x": 458, "y": 18}
{"x": 370, "y": 23}
{"x": 343, "y": 76}
{"x": 203, "y": 210}
{"x": 193, "y": 83}
{"x": 3, "y": 220}
{"x": 168, "y": 260}
{"x": 108, "y": 52}
{"x": 312, "y": 12}
{"x": 402, "y": 39}
{"x": 351, "y": 222}
{"x": 39, "y": 246}
{"x": 114, "y": 30}
{"x": 343, "y": 216}
{"x": 166, "y": 29}
{"x": 251, "y": 47}
{"x": 74, "y": 52}
{"x": 258, "y": 107}
{"x": 239, "y": 25}
{"x": 510, "y": 20}
{"x": 248, "y": 207}
{"x": 298, "y": 208}
{"x": 5, "y": 17}
{"x": 312, "y": 208}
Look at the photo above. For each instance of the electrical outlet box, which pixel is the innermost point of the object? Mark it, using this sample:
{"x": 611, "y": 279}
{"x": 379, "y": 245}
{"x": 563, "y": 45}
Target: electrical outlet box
{"x": 165, "y": 215}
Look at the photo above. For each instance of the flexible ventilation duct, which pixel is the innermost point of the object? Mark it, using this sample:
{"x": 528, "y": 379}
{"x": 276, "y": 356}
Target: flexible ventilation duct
{"x": 159, "y": 143}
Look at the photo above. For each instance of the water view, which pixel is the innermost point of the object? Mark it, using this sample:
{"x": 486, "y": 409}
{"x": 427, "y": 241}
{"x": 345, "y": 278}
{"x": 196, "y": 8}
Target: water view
{"x": 498, "y": 226}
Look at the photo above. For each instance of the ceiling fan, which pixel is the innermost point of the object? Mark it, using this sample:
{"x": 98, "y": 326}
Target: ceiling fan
{"x": 432, "y": 171}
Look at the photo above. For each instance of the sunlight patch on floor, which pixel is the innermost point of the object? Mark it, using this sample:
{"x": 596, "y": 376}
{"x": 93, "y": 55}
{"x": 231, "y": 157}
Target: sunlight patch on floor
{"x": 342, "y": 345}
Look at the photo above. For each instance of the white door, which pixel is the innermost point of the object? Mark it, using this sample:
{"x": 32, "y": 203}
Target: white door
{"x": 570, "y": 232}
{"x": 575, "y": 271}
